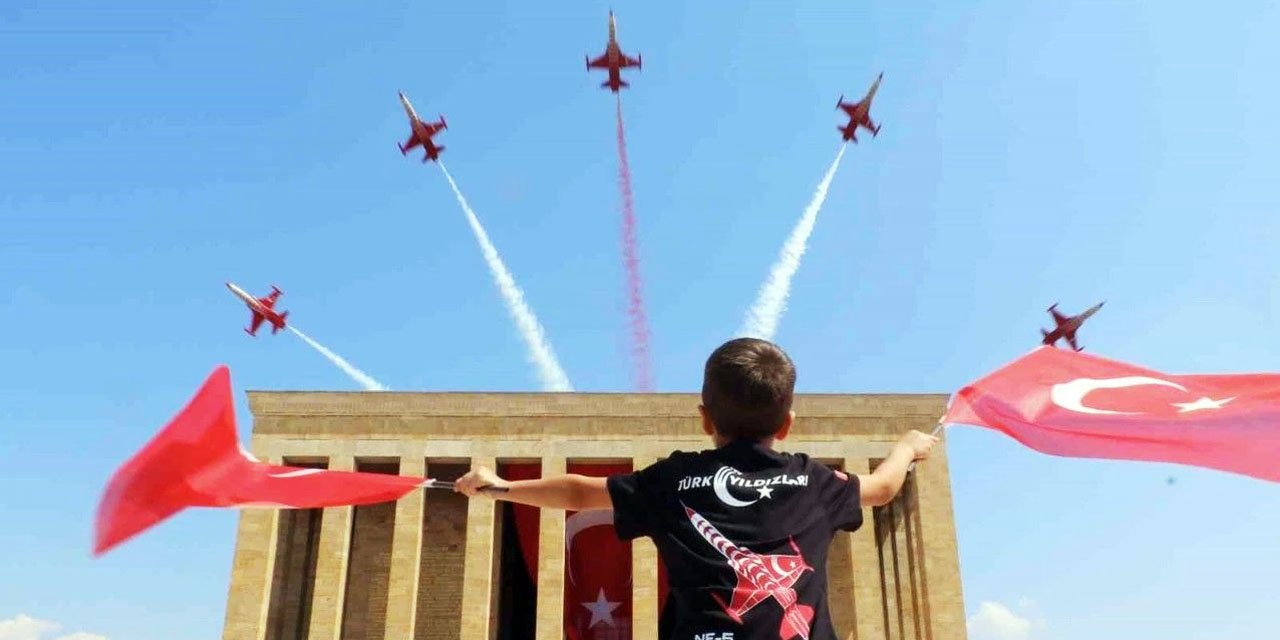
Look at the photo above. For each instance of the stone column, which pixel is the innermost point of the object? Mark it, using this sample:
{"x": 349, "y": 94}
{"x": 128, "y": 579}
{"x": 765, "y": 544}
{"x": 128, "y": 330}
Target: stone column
{"x": 915, "y": 556}
{"x": 331, "y": 565}
{"x": 251, "y": 570}
{"x": 940, "y": 560}
{"x": 888, "y": 572}
{"x": 406, "y": 551}
{"x": 908, "y": 611}
{"x": 478, "y": 564}
{"x": 551, "y": 559}
{"x": 644, "y": 578}
{"x": 840, "y": 579}
{"x": 868, "y": 590}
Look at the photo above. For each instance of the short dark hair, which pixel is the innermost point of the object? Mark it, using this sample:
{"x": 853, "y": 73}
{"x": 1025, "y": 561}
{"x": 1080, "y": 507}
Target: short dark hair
{"x": 747, "y": 388}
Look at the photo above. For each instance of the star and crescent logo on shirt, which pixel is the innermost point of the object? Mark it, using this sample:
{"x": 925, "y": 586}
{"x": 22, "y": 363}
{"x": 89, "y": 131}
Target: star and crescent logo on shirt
{"x": 727, "y": 477}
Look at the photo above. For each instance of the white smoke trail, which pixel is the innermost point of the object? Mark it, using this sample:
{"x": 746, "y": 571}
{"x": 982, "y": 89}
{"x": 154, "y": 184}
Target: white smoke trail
{"x": 359, "y": 376}
{"x": 540, "y": 353}
{"x": 762, "y": 319}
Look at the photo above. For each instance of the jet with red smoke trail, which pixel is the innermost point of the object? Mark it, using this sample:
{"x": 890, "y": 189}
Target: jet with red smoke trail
{"x": 263, "y": 309}
{"x": 860, "y": 113}
{"x": 1067, "y": 325}
{"x": 421, "y": 133}
{"x": 614, "y": 60}
{"x": 759, "y": 578}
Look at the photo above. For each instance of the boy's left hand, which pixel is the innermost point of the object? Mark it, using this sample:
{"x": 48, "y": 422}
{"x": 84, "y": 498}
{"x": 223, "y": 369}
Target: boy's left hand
{"x": 476, "y": 480}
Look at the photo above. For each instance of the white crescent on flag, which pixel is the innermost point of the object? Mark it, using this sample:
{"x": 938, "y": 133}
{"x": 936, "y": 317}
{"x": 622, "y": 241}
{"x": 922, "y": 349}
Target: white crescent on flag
{"x": 578, "y": 522}
{"x": 1070, "y": 395}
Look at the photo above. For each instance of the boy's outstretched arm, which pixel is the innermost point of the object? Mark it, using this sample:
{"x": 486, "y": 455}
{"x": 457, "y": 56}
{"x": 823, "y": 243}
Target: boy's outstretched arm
{"x": 880, "y": 486}
{"x": 568, "y": 492}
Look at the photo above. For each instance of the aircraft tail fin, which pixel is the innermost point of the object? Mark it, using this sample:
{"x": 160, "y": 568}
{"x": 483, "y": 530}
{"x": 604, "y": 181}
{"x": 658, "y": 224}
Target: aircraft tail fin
{"x": 796, "y": 622}
{"x": 283, "y": 317}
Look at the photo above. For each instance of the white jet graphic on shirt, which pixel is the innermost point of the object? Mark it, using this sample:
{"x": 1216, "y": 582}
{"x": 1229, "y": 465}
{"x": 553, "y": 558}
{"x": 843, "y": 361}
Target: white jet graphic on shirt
{"x": 760, "y": 577}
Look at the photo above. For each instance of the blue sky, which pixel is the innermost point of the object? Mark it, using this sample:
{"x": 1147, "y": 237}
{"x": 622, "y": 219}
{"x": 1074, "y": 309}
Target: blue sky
{"x": 1031, "y": 153}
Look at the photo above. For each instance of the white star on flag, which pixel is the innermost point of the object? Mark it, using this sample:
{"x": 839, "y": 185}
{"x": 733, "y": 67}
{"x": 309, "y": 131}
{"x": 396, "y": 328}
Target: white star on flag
{"x": 765, "y": 492}
{"x": 1202, "y": 403}
{"x": 601, "y": 610}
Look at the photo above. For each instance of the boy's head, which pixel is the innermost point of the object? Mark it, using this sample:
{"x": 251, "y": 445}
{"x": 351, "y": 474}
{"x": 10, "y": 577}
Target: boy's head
{"x": 747, "y": 387}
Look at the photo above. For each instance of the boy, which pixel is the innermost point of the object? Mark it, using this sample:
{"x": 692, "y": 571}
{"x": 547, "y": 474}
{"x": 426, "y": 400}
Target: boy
{"x": 743, "y": 530}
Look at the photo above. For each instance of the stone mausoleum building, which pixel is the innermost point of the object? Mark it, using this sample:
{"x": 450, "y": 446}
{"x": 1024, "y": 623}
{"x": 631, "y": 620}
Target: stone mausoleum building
{"x": 431, "y": 566}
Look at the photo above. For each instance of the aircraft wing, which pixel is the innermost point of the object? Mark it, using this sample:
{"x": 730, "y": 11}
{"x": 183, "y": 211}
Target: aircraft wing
{"x": 600, "y": 63}
{"x": 1057, "y": 317}
{"x": 256, "y": 322}
{"x": 850, "y": 108}
{"x": 785, "y": 571}
{"x": 1071, "y": 340}
{"x": 745, "y": 596}
{"x": 625, "y": 60}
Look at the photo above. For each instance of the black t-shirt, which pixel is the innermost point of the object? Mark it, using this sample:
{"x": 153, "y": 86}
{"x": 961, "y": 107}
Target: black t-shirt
{"x": 744, "y": 532}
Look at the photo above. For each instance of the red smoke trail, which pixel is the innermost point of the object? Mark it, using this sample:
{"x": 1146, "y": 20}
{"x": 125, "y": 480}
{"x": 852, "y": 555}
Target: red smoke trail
{"x": 639, "y": 324}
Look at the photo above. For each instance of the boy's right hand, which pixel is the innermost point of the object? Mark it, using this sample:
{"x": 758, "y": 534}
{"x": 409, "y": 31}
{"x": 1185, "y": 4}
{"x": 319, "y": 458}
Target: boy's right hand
{"x": 920, "y": 444}
{"x": 476, "y": 480}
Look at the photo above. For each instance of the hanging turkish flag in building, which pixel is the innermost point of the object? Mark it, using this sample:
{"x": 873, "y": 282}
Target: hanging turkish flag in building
{"x": 598, "y": 577}
{"x": 597, "y": 582}
{"x": 196, "y": 461}
{"x": 1071, "y": 404}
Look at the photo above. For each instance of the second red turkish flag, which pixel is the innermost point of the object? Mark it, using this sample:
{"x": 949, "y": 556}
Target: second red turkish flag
{"x": 1071, "y": 404}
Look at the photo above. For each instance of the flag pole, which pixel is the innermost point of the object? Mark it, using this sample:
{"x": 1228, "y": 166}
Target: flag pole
{"x": 936, "y": 430}
{"x": 448, "y": 484}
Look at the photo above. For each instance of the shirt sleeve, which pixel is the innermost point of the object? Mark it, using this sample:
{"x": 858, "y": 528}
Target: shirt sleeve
{"x": 637, "y": 501}
{"x": 841, "y": 495}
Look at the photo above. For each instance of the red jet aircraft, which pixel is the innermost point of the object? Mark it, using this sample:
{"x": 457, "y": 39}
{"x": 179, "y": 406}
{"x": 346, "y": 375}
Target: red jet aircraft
{"x": 859, "y": 113}
{"x": 421, "y": 133}
{"x": 614, "y": 60}
{"x": 1067, "y": 326}
{"x": 262, "y": 308}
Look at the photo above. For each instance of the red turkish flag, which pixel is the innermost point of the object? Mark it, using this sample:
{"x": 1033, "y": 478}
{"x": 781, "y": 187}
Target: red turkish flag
{"x": 196, "y": 461}
{"x": 596, "y": 561}
{"x": 597, "y": 584}
{"x": 1071, "y": 404}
